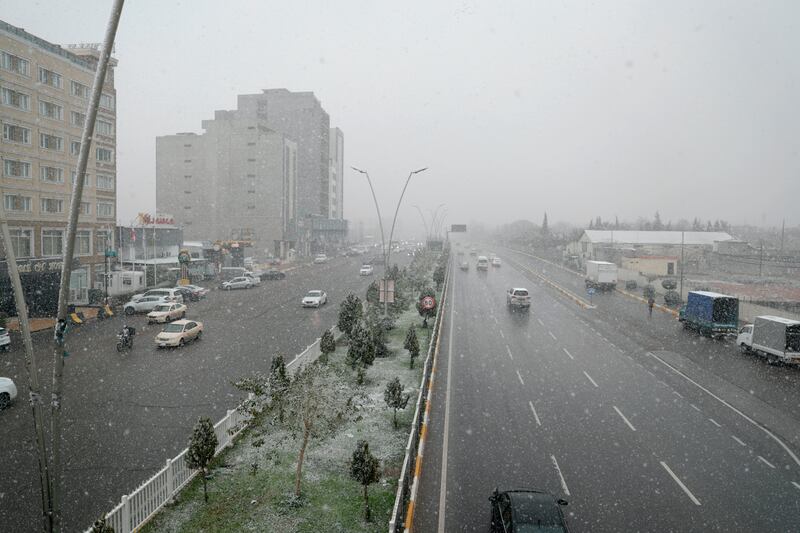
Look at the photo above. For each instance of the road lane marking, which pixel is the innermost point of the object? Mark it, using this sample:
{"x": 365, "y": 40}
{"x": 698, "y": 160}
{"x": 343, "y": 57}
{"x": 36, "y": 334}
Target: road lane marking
{"x": 443, "y": 479}
{"x": 534, "y": 413}
{"x": 590, "y": 379}
{"x": 663, "y": 383}
{"x": 695, "y": 407}
{"x": 796, "y": 484}
{"x": 501, "y": 333}
{"x": 715, "y": 423}
{"x": 737, "y": 439}
{"x": 540, "y": 321}
{"x": 509, "y": 352}
{"x": 495, "y": 320}
{"x": 520, "y": 378}
{"x": 766, "y": 462}
{"x": 567, "y": 352}
{"x": 551, "y": 334}
{"x": 651, "y": 373}
{"x": 677, "y": 394}
{"x": 732, "y": 408}
{"x": 680, "y": 483}
{"x": 623, "y": 418}
{"x": 560, "y": 476}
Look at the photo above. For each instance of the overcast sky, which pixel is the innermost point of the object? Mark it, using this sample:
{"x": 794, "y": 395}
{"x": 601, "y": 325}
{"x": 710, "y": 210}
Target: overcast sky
{"x": 580, "y": 109}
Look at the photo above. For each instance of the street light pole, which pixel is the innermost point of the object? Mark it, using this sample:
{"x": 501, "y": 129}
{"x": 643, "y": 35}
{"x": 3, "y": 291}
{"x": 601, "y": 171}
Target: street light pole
{"x": 380, "y": 220}
{"x": 424, "y": 222}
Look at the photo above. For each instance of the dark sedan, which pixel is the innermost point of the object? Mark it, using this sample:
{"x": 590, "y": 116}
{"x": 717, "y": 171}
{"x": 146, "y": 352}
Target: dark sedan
{"x": 524, "y": 510}
{"x": 273, "y": 274}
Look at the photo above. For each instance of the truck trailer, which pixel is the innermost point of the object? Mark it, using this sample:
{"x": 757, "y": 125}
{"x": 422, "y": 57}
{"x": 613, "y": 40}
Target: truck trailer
{"x": 710, "y": 313}
{"x": 601, "y": 275}
{"x": 773, "y": 337}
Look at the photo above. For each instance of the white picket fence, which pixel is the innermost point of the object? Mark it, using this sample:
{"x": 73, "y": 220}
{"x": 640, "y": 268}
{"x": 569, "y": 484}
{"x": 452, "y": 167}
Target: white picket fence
{"x": 143, "y": 503}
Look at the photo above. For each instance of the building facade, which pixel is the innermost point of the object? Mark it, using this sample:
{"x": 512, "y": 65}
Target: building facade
{"x": 336, "y": 175}
{"x": 44, "y": 95}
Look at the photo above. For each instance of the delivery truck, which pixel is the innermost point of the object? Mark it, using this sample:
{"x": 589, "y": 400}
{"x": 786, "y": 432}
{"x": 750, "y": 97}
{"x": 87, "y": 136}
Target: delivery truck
{"x": 710, "y": 313}
{"x": 773, "y": 337}
{"x": 601, "y": 275}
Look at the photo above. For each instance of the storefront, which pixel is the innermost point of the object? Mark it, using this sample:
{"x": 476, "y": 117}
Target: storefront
{"x": 41, "y": 279}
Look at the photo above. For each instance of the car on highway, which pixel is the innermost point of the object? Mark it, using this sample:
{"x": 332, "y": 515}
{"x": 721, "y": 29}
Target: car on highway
{"x": 273, "y": 274}
{"x": 195, "y": 292}
{"x": 315, "y": 298}
{"x": 144, "y": 304}
{"x": 320, "y": 259}
{"x": 171, "y": 294}
{"x": 496, "y": 262}
{"x": 179, "y": 333}
{"x": 8, "y": 391}
{"x": 526, "y": 510}
{"x": 166, "y": 313}
{"x": 366, "y": 270}
{"x": 5, "y": 340}
{"x": 518, "y": 297}
{"x": 483, "y": 263}
{"x": 464, "y": 266}
{"x": 241, "y": 282}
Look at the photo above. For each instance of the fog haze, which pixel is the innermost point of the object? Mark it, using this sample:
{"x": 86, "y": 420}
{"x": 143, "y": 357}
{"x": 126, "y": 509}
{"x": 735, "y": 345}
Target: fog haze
{"x": 611, "y": 109}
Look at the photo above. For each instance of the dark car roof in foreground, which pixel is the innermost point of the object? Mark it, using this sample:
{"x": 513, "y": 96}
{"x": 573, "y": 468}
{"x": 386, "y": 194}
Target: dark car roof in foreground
{"x": 533, "y": 507}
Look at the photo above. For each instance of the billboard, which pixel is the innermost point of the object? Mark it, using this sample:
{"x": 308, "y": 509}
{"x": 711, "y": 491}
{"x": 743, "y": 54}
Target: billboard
{"x": 458, "y": 228}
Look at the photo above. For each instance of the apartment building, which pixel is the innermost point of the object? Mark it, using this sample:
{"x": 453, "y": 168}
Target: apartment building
{"x": 336, "y": 174}
{"x": 44, "y": 94}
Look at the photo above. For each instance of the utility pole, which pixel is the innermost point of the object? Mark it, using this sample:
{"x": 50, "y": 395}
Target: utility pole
{"x": 682, "y": 241}
{"x": 783, "y": 233}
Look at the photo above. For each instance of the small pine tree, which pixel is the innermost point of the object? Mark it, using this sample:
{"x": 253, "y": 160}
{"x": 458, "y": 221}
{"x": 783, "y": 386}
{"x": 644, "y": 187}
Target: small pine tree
{"x": 278, "y": 385}
{"x": 349, "y": 314}
{"x": 201, "y": 449}
{"x": 361, "y": 352}
{"x": 101, "y": 526}
{"x": 327, "y": 345}
{"x": 378, "y": 334}
{"x": 545, "y": 228}
{"x": 394, "y": 397}
{"x": 438, "y": 276}
{"x": 412, "y": 345}
{"x": 365, "y": 469}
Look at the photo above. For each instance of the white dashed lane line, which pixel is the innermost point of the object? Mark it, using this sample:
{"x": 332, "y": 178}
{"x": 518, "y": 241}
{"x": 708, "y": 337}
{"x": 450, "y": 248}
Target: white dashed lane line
{"x": 567, "y": 352}
{"x": 678, "y": 394}
{"x": 501, "y": 333}
{"x": 553, "y": 336}
{"x": 680, "y": 483}
{"x": 509, "y": 352}
{"x": 765, "y": 462}
{"x": 737, "y": 439}
{"x": 623, "y": 418}
{"x": 590, "y": 379}
{"x": 520, "y": 378}
{"x": 715, "y": 422}
{"x": 540, "y": 321}
{"x": 535, "y": 415}
{"x": 695, "y": 407}
{"x": 796, "y": 485}
{"x": 560, "y": 476}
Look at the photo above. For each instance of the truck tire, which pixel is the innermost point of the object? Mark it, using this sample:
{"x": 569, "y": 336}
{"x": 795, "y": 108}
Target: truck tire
{"x": 743, "y": 348}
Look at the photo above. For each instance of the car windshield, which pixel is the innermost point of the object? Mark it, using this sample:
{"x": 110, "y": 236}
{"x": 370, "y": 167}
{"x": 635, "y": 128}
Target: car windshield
{"x": 314, "y": 294}
{"x": 160, "y": 308}
{"x": 173, "y": 328}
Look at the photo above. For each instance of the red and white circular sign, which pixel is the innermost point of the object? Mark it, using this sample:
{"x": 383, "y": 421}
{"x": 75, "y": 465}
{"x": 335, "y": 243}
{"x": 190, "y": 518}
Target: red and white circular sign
{"x": 428, "y": 302}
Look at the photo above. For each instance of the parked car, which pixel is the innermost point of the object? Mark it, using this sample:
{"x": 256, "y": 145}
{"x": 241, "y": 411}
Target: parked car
{"x": 518, "y": 297}
{"x": 196, "y": 292}
{"x": 172, "y": 295}
{"x": 179, "y": 333}
{"x": 5, "y": 340}
{"x": 366, "y": 270}
{"x": 520, "y": 511}
{"x": 166, "y": 313}
{"x": 144, "y": 304}
{"x": 254, "y": 277}
{"x": 8, "y": 391}
{"x": 187, "y": 295}
{"x": 242, "y": 282}
{"x": 273, "y": 274}
{"x": 464, "y": 266}
{"x": 320, "y": 258}
{"x": 315, "y": 298}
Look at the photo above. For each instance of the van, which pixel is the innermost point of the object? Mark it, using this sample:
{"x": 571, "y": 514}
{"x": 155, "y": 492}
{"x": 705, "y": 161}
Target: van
{"x": 483, "y": 263}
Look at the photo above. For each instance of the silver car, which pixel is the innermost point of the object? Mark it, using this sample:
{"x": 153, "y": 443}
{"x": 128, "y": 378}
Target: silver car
{"x": 241, "y": 282}
{"x": 145, "y": 304}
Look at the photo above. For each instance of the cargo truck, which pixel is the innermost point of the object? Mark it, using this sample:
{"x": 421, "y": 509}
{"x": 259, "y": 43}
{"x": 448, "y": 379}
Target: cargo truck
{"x": 710, "y": 313}
{"x": 601, "y": 275}
{"x": 773, "y": 337}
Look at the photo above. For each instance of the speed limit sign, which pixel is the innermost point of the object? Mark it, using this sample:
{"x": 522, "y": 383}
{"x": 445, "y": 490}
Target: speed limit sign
{"x": 428, "y": 302}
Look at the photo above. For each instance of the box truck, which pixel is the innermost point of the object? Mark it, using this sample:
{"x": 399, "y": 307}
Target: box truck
{"x": 773, "y": 337}
{"x": 601, "y": 275}
{"x": 710, "y": 313}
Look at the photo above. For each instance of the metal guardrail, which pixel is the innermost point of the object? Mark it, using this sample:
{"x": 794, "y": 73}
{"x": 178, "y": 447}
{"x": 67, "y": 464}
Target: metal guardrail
{"x": 405, "y": 481}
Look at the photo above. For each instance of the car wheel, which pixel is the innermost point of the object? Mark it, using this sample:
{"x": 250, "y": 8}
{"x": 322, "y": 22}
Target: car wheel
{"x": 199, "y": 335}
{"x": 228, "y": 288}
{"x": 5, "y": 400}
{"x": 129, "y": 310}
{"x": 183, "y": 314}
{"x": 181, "y": 342}
{"x": 743, "y": 348}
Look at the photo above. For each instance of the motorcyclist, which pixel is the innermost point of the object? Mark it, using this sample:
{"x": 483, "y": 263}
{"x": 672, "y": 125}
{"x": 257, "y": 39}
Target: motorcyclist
{"x": 126, "y": 335}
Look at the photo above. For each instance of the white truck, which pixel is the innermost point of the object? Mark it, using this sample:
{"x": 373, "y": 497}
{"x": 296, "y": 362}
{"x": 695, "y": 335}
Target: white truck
{"x": 601, "y": 275}
{"x": 774, "y": 337}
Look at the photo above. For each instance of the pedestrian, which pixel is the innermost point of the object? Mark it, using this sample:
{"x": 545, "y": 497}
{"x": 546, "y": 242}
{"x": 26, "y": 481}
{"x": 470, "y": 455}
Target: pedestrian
{"x": 650, "y": 303}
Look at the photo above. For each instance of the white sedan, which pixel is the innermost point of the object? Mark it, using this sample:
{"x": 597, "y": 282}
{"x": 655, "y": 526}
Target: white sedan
{"x": 320, "y": 259}
{"x": 179, "y": 333}
{"x": 242, "y": 282}
{"x": 366, "y": 270}
{"x": 315, "y": 298}
{"x": 8, "y": 391}
{"x": 166, "y": 313}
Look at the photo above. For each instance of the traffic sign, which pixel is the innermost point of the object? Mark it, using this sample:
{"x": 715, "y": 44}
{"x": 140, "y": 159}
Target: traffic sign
{"x": 428, "y": 303}
{"x": 590, "y": 290}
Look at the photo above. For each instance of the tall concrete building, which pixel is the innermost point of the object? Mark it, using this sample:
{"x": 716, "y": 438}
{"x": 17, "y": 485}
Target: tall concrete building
{"x": 45, "y": 93}
{"x": 336, "y": 174}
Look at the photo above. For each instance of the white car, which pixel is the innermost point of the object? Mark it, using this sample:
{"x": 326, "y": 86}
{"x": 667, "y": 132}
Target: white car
{"x": 366, "y": 270}
{"x": 321, "y": 258}
{"x": 145, "y": 304}
{"x": 315, "y": 298}
{"x": 166, "y": 313}
{"x": 496, "y": 262}
{"x": 8, "y": 391}
{"x": 241, "y": 282}
{"x": 255, "y": 277}
{"x": 172, "y": 295}
{"x": 179, "y": 333}
{"x": 5, "y": 340}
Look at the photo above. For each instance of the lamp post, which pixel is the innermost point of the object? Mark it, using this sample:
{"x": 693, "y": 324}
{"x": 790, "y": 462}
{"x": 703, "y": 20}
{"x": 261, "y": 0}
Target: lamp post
{"x": 434, "y": 214}
{"x": 424, "y": 222}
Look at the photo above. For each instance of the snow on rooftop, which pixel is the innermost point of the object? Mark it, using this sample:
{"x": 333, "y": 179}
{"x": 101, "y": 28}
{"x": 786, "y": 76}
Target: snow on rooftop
{"x": 656, "y": 237}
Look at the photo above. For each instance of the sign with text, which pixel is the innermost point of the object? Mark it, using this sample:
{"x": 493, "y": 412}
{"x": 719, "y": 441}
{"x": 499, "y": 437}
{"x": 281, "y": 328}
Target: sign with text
{"x": 386, "y": 291}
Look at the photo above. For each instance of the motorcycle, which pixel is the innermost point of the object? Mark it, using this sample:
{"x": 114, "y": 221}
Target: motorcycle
{"x": 125, "y": 340}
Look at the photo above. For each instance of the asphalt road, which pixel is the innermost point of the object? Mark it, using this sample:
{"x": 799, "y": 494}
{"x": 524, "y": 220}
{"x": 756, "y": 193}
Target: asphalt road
{"x": 640, "y": 425}
{"x": 125, "y": 414}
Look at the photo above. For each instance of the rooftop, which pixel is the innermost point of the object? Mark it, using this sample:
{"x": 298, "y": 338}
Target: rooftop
{"x": 656, "y": 237}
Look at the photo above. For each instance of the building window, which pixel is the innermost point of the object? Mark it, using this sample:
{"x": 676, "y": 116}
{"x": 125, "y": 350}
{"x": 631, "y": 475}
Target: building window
{"x": 187, "y": 192}
{"x": 52, "y": 205}
{"x": 107, "y": 101}
{"x": 17, "y": 202}
{"x": 16, "y": 99}
{"x": 78, "y": 89}
{"x": 77, "y": 119}
{"x": 670, "y": 269}
{"x": 15, "y": 63}
{"x": 51, "y": 174}
{"x": 83, "y": 242}
{"x": 104, "y": 154}
{"x": 105, "y": 209}
{"x": 48, "y": 77}
{"x": 105, "y": 182}
{"x": 187, "y": 207}
{"x": 187, "y": 176}
{"x": 22, "y": 242}
{"x": 86, "y": 208}
{"x": 102, "y": 241}
{"x": 51, "y": 110}
{"x": 16, "y": 169}
{"x": 187, "y": 160}
{"x": 75, "y": 147}
{"x": 52, "y": 242}
{"x": 17, "y": 134}
{"x": 85, "y": 178}
{"x": 51, "y": 142}
{"x": 105, "y": 128}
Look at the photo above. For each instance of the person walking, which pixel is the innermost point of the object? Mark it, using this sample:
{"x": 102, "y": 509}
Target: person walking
{"x": 650, "y": 303}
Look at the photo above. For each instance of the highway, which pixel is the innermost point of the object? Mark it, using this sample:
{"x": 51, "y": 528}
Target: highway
{"x": 640, "y": 425}
{"x": 125, "y": 414}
